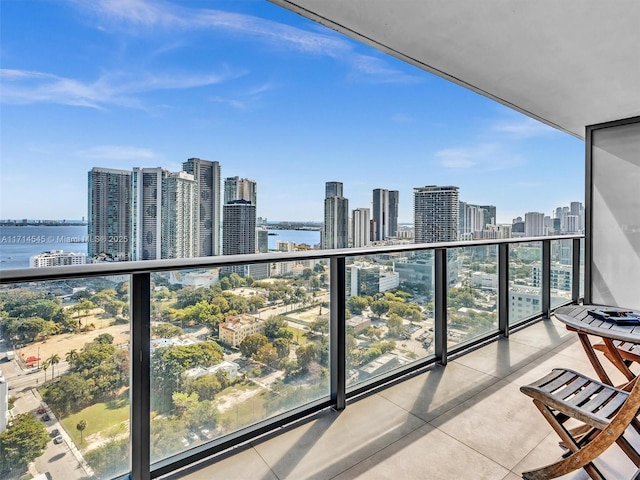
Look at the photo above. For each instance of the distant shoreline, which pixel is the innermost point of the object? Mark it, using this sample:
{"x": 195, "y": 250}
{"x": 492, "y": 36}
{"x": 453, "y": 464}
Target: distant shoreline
{"x": 42, "y": 223}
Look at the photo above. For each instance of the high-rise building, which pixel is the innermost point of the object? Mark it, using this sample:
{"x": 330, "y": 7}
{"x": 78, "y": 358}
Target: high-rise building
{"x": 207, "y": 226}
{"x": 385, "y": 213}
{"x": 333, "y": 189}
{"x": 394, "y": 206}
{"x": 179, "y": 216}
{"x": 262, "y": 240}
{"x": 335, "y": 232}
{"x": 361, "y": 227}
{"x": 435, "y": 214}
{"x": 146, "y": 213}
{"x": 236, "y": 188}
{"x": 534, "y": 224}
{"x": 239, "y": 232}
{"x": 109, "y": 214}
{"x": 473, "y": 220}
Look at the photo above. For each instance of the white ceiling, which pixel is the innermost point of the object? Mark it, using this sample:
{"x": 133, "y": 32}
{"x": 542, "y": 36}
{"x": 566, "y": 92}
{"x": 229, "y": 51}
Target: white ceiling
{"x": 568, "y": 63}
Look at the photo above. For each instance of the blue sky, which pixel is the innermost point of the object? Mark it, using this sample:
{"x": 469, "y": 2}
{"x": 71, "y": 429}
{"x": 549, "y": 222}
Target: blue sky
{"x": 270, "y": 95}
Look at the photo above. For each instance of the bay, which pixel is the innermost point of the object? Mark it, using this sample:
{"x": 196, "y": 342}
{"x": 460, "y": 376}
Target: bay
{"x": 19, "y": 244}
{"x": 310, "y": 237}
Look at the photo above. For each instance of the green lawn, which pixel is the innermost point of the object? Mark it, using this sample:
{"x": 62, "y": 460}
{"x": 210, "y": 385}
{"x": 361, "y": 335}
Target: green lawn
{"x": 99, "y": 417}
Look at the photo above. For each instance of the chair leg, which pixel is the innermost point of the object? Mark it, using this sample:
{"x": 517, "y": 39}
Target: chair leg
{"x": 561, "y": 467}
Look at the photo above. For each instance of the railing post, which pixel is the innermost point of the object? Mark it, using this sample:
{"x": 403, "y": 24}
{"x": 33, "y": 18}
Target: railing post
{"x": 503, "y": 289}
{"x": 337, "y": 332}
{"x": 440, "y": 305}
{"x": 575, "y": 271}
{"x": 140, "y": 308}
{"x": 546, "y": 278}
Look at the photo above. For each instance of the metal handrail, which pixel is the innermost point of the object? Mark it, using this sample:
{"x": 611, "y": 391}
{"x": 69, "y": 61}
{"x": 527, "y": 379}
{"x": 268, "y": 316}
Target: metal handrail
{"x": 147, "y": 266}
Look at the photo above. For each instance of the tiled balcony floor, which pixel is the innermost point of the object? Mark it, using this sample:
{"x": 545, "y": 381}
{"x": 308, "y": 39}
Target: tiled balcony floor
{"x": 467, "y": 420}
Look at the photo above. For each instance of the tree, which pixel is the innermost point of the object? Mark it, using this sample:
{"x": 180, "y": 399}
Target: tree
{"x": 166, "y": 330}
{"x": 82, "y": 424}
{"x": 266, "y": 354}
{"x": 252, "y": 343}
{"x": 71, "y": 357}
{"x": 394, "y": 324}
{"x": 320, "y": 325}
{"x": 380, "y": 307}
{"x": 22, "y": 442}
{"x": 274, "y": 327}
{"x": 53, "y": 361}
{"x": 282, "y": 346}
{"x": 45, "y": 366}
{"x": 306, "y": 354}
{"x": 357, "y": 304}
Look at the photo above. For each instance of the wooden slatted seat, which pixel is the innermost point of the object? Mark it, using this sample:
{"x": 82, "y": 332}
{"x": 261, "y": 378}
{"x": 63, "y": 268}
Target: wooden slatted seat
{"x": 603, "y": 412}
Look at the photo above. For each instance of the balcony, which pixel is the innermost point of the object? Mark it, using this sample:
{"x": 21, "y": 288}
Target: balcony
{"x": 451, "y": 390}
{"x": 465, "y": 420}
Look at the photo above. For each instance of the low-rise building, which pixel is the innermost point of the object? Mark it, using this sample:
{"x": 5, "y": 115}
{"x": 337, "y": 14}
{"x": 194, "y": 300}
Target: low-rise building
{"x": 56, "y": 258}
{"x": 358, "y": 323}
{"x": 237, "y": 327}
{"x": 230, "y": 368}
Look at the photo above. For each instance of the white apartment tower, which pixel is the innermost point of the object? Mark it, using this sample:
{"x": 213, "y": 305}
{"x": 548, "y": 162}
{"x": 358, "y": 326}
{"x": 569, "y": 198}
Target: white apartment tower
{"x": 207, "y": 205}
{"x": 179, "y": 216}
{"x": 335, "y": 232}
{"x": 361, "y": 227}
{"x": 435, "y": 214}
{"x": 146, "y": 213}
{"x": 109, "y": 214}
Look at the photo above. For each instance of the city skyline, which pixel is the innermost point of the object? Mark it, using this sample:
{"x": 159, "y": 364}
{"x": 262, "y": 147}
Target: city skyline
{"x": 267, "y": 94}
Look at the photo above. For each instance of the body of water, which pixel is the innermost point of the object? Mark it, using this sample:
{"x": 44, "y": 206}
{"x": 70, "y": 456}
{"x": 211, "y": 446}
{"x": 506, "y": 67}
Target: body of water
{"x": 310, "y": 237}
{"x": 18, "y": 244}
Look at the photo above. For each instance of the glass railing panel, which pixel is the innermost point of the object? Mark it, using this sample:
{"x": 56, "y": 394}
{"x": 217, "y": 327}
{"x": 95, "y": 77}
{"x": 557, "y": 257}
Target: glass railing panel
{"x": 525, "y": 280}
{"x": 234, "y": 346}
{"x": 472, "y": 293}
{"x": 389, "y": 313}
{"x": 561, "y": 271}
{"x": 66, "y": 368}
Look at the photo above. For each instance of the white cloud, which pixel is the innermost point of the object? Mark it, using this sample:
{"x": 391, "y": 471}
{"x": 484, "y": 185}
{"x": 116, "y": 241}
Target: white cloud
{"x": 116, "y": 88}
{"x": 484, "y": 157}
{"x": 524, "y": 128}
{"x": 136, "y": 14}
{"x": 375, "y": 70}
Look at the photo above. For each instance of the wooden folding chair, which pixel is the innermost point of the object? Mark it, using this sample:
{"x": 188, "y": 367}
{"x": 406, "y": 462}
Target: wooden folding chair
{"x": 621, "y": 354}
{"x": 603, "y": 413}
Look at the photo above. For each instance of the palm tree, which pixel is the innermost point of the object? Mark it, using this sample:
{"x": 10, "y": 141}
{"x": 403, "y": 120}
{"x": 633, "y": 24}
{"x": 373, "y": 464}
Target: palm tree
{"x": 54, "y": 360}
{"x": 82, "y": 424}
{"x": 71, "y": 356}
{"x": 45, "y": 365}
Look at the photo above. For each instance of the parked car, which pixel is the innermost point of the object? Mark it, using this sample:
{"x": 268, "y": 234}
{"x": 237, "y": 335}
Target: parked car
{"x": 205, "y": 434}
{"x": 46, "y": 417}
{"x": 193, "y": 436}
{"x": 41, "y": 410}
{"x": 55, "y": 432}
{"x": 185, "y": 442}
{"x": 58, "y": 440}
